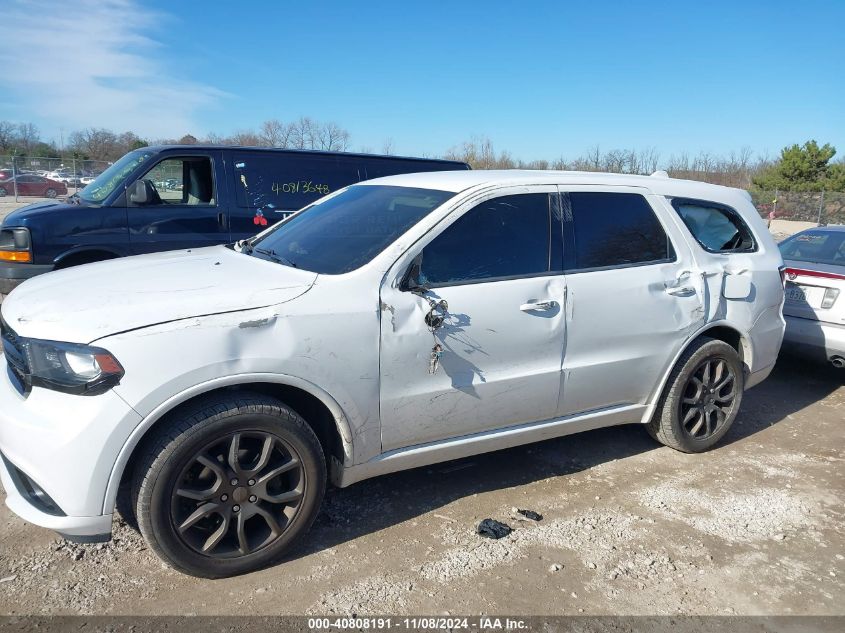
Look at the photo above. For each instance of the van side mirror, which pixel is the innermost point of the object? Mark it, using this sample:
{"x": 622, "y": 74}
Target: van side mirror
{"x": 139, "y": 193}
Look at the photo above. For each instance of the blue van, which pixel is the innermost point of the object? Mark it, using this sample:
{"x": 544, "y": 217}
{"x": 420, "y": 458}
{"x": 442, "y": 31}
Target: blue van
{"x": 181, "y": 196}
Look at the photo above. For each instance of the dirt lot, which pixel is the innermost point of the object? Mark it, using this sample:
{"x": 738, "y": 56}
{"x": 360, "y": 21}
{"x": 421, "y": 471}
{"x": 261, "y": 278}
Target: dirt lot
{"x": 752, "y": 527}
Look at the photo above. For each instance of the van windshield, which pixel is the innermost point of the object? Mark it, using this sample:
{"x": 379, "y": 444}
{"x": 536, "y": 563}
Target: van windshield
{"x": 343, "y": 232}
{"x": 104, "y": 184}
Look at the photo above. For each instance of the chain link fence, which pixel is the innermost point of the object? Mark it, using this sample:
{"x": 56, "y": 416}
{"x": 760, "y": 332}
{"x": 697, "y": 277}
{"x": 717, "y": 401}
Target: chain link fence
{"x": 817, "y": 207}
{"x": 74, "y": 173}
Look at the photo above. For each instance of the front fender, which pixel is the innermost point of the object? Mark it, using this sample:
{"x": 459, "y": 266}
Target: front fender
{"x": 171, "y": 403}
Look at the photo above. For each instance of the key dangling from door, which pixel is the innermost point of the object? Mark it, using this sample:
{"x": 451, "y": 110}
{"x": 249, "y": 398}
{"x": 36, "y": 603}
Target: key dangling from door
{"x": 434, "y": 363}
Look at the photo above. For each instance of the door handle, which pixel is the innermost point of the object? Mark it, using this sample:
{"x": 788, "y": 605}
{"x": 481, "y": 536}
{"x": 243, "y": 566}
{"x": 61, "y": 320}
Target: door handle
{"x": 681, "y": 291}
{"x": 221, "y": 220}
{"x": 548, "y": 304}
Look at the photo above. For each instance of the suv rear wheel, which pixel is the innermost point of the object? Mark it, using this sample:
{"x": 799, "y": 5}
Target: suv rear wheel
{"x": 701, "y": 399}
{"x": 229, "y": 486}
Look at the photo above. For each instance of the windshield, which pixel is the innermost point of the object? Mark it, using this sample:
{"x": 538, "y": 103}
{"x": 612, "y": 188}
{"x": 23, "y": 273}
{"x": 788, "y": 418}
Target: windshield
{"x": 346, "y": 231}
{"x": 104, "y": 184}
{"x": 817, "y": 247}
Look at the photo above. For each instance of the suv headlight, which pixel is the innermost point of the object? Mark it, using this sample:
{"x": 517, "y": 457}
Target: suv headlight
{"x": 69, "y": 367}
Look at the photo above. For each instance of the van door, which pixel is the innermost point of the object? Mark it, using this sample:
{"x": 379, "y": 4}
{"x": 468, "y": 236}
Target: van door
{"x": 634, "y": 296}
{"x": 497, "y": 267}
{"x": 177, "y": 203}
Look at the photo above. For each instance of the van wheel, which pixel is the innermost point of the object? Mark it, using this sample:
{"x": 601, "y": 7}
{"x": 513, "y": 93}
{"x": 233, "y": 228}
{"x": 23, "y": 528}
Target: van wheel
{"x": 2, "y": 192}
{"x": 229, "y": 485}
{"x": 701, "y": 399}
{"x": 50, "y": 193}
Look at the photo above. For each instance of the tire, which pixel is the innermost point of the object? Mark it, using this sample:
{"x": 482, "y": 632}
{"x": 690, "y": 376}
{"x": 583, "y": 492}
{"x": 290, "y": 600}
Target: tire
{"x": 2, "y": 192}
{"x": 50, "y": 193}
{"x": 192, "y": 454}
{"x": 690, "y": 417}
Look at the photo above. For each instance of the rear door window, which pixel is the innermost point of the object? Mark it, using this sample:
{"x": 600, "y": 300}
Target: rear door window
{"x": 717, "y": 228}
{"x": 613, "y": 230}
{"x": 505, "y": 237}
{"x": 289, "y": 181}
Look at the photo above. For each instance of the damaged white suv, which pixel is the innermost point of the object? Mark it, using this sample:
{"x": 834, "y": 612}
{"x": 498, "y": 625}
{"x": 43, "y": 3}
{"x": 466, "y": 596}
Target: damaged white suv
{"x": 396, "y": 323}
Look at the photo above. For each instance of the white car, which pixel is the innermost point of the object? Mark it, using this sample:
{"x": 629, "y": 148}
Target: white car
{"x": 395, "y": 323}
{"x": 814, "y": 310}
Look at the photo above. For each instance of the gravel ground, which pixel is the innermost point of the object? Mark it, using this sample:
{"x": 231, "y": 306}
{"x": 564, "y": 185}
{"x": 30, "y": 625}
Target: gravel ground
{"x": 753, "y": 527}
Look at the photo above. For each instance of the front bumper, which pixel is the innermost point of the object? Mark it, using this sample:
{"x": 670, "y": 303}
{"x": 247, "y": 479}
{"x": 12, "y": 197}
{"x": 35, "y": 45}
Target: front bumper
{"x": 814, "y": 338}
{"x": 13, "y": 275}
{"x": 63, "y": 446}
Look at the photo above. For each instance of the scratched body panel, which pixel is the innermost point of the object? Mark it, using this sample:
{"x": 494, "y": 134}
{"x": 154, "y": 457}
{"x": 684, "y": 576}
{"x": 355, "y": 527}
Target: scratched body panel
{"x": 299, "y": 339}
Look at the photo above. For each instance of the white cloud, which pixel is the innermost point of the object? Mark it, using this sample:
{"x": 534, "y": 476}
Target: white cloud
{"x": 90, "y": 63}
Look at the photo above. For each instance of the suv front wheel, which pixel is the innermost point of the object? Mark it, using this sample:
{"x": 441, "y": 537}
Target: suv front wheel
{"x": 701, "y": 398}
{"x": 228, "y": 486}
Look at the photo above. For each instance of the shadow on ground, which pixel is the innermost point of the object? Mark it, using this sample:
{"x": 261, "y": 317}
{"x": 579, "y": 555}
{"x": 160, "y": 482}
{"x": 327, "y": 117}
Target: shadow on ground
{"x": 379, "y": 503}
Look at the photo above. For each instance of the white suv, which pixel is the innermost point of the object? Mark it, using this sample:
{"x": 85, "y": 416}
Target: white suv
{"x": 395, "y": 323}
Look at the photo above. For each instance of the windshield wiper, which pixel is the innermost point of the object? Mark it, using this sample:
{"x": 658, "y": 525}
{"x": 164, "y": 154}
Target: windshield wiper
{"x": 273, "y": 255}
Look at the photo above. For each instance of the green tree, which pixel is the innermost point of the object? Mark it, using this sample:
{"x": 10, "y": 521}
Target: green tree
{"x": 803, "y": 168}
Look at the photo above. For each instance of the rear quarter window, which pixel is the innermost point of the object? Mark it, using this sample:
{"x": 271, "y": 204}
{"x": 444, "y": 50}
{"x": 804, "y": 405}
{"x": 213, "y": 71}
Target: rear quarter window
{"x": 716, "y": 227}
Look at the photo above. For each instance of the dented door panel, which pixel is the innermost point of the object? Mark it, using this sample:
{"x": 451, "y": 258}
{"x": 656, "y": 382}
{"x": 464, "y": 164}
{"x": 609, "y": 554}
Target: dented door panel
{"x": 501, "y": 344}
{"x": 623, "y": 326}
{"x": 625, "y": 323}
{"x": 500, "y": 364}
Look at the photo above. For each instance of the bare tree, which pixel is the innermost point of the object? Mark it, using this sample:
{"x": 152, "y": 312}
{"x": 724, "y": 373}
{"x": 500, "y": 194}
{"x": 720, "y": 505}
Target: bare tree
{"x": 95, "y": 143}
{"x": 246, "y": 138}
{"x": 274, "y": 133}
{"x": 332, "y": 137}
{"x": 303, "y": 134}
{"x": 7, "y": 134}
{"x": 27, "y": 137}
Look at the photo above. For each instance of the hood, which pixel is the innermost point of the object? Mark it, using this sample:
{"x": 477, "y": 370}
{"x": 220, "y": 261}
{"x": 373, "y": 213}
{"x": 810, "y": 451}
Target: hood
{"x": 16, "y": 217}
{"x": 83, "y": 304}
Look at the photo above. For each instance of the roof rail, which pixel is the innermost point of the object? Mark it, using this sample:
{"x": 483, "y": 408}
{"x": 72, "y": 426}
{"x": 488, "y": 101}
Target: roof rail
{"x": 660, "y": 174}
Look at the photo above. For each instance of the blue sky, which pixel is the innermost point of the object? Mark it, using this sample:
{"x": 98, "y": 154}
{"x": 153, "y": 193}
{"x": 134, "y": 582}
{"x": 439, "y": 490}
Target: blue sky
{"x": 541, "y": 80}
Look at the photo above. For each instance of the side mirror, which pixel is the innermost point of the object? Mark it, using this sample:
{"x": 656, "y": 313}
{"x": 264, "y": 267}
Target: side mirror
{"x": 411, "y": 280}
{"x": 139, "y": 193}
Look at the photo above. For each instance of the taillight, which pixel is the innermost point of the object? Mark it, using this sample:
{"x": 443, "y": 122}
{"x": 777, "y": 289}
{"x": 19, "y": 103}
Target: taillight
{"x": 830, "y": 295}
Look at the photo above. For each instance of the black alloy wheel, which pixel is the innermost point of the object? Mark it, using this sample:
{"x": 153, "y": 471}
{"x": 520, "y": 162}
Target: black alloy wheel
{"x": 238, "y": 494}
{"x": 709, "y": 398}
{"x": 701, "y": 398}
{"x": 228, "y": 484}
